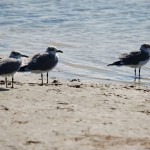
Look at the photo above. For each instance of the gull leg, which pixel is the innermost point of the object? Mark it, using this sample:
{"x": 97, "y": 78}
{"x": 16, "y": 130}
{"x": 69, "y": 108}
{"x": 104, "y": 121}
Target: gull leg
{"x": 139, "y": 72}
{"x": 6, "y": 81}
{"x": 135, "y": 73}
{"x": 12, "y": 82}
{"x": 47, "y": 77}
{"x": 42, "y": 78}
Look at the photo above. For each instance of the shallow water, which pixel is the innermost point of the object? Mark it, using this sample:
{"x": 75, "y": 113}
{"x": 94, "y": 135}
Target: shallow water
{"x": 92, "y": 33}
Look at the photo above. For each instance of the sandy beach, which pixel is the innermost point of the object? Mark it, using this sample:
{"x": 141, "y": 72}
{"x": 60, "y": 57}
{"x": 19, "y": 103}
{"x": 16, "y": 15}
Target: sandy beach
{"x": 73, "y": 115}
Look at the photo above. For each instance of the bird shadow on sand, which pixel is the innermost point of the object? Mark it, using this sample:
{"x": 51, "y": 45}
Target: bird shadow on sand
{"x": 35, "y": 84}
{"x": 3, "y": 89}
{"x": 54, "y": 82}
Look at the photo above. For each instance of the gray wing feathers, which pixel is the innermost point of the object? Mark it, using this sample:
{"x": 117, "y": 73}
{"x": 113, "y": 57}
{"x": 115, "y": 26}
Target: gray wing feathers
{"x": 131, "y": 54}
{"x": 9, "y": 66}
{"x": 42, "y": 62}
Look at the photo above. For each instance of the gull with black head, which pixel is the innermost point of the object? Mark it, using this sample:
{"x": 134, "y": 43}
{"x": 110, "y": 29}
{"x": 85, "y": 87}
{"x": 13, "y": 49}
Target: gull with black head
{"x": 9, "y": 66}
{"x": 135, "y": 59}
{"x": 42, "y": 62}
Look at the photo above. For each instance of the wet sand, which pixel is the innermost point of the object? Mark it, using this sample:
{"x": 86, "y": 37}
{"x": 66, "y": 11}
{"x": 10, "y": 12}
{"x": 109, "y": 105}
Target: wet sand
{"x": 73, "y": 115}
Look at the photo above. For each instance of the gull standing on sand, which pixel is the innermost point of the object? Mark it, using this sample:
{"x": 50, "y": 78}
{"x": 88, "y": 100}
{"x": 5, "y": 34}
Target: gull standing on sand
{"x": 41, "y": 63}
{"x": 9, "y": 66}
{"x": 135, "y": 59}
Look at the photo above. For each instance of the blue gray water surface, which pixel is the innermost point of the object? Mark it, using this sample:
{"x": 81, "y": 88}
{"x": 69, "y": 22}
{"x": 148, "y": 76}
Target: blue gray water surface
{"x": 92, "y": 33}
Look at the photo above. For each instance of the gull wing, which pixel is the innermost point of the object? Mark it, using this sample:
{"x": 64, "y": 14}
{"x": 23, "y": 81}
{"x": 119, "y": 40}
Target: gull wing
{"x": 131, "y": 54}
{"x": 42, "y": 61}
{"x": 134, "y": 58}
{"x": 9, "y": 65}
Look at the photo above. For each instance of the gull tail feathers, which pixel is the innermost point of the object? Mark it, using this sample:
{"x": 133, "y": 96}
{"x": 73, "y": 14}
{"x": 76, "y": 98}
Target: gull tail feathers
{"x": 117, "y": 63}
{"x": 23, "y": 69}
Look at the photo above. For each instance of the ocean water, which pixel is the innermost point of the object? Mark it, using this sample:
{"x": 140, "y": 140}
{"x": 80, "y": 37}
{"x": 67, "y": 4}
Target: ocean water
{"x": 91, "y": 33}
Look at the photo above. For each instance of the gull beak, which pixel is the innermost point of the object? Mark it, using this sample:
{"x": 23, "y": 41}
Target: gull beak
{"x": 59, "y": 51}
{"x": 24, "y": 56}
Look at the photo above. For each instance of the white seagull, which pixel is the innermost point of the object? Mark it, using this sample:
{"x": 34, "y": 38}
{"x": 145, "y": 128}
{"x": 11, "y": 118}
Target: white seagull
{"x": 9, "y": 66}
{"x": 42, "y": 62}
{"x": 135, "y": 59}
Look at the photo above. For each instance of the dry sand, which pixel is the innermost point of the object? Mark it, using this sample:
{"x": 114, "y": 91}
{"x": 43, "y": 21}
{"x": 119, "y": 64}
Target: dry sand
{"x": 74, "y": 115}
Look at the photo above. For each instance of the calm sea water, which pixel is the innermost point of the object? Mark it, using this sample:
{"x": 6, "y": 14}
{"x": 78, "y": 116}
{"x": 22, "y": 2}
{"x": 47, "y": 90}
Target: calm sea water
{"x": 92, "y": 33}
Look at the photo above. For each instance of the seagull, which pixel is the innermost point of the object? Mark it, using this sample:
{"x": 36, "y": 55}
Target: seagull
{"x": 135, "y": 59}
{"x": 9, "y": 66}
{"x": 42, "y": 62}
